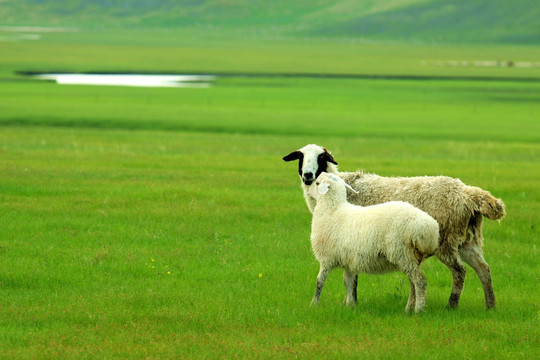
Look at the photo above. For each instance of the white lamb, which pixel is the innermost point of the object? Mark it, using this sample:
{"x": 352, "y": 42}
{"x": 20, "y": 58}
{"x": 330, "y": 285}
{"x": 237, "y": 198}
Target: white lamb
{"x": 372, "y": 239}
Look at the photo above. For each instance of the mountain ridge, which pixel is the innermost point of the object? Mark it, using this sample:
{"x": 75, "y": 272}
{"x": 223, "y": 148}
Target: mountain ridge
{"x": 454, "y": 21}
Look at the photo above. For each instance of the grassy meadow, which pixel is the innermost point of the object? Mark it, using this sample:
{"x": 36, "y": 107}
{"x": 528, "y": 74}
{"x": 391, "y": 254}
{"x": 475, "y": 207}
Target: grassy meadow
{"x": 162, "y": 223}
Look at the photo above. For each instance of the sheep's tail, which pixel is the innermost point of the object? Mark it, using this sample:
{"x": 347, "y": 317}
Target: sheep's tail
{"x": 485, "y": 203}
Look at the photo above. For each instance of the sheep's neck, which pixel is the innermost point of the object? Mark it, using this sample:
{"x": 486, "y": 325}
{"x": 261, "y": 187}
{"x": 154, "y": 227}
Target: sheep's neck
{"x": 310, "y": 200}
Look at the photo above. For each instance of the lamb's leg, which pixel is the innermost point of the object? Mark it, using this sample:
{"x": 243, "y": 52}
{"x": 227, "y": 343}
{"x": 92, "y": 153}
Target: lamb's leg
{"x": 412, "y": 298}
{"x": 323, "y": 273}
{"x": 450, "y": 258}
{"x": 418, "y": 280}
{"x": 472, "y": 255}
{"x": 350, "y": 279}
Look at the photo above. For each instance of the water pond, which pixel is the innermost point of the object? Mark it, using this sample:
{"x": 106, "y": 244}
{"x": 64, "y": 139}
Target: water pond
{"x": 141, "y": 80}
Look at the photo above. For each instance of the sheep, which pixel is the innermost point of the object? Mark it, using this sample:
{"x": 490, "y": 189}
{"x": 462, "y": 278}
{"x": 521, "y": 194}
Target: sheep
{"x": 458, "y": 208}
{"x": 372, "y": 239}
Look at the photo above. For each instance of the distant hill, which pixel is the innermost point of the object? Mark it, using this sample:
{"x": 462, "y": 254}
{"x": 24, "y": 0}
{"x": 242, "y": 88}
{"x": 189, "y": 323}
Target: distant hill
{"x": 455, "y": 21}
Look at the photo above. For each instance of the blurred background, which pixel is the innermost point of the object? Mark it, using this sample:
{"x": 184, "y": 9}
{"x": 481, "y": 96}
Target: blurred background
{"x": 327, "y": 37}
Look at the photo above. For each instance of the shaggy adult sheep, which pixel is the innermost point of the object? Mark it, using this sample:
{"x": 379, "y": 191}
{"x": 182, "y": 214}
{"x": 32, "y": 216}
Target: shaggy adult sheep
{"x": 458, "y": 208}
{"x": 372, "y": 239}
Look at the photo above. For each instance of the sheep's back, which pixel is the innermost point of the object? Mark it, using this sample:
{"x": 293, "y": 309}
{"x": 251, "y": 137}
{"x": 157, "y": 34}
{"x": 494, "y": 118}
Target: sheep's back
{"x": 442, "y": 197}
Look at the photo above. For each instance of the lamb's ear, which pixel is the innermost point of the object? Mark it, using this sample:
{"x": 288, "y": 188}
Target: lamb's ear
{"x": 351, "y": 188}
{"x": 329, "y": 156}
{"x": 323, "y": 187}
{"x": 295, "y": 155}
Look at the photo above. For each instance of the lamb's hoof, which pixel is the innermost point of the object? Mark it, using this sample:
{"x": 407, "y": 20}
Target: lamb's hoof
{"x": 412, "y": 311}
{"x": 314, "y": 304}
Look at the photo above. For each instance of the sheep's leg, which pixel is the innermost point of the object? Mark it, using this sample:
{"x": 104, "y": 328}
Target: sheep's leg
{"x": 355, "y": 291}
{"x": 450, "y": 258}
{"x": 412, "y": 298}
{"x": 350, "y": 279}
{"x": 472, "y": 255}
{"x": 323, "y": 273}
{"x": 418, "y": 280}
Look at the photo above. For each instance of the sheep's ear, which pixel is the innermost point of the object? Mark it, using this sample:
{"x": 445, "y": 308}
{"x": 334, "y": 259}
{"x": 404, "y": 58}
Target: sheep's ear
{"x": 329, "y": 157}
{"x": 295, "y": 155}
{"x": 323, "y": 187}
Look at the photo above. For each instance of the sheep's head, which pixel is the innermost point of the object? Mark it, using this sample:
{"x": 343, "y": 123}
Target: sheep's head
{"x": 312, "y": 161}
{"x": 330, "y": 183}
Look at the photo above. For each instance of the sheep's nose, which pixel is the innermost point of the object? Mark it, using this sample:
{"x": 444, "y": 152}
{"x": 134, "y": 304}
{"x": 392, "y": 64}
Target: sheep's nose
{"x": 308, "y": 178}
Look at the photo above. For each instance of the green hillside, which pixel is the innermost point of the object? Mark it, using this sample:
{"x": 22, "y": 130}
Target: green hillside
{"x": 456, "y": 21}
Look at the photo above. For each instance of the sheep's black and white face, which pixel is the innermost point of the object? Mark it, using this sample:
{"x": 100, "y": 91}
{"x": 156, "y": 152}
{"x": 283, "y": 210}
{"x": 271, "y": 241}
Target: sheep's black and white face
{"x": 312, "y": 161}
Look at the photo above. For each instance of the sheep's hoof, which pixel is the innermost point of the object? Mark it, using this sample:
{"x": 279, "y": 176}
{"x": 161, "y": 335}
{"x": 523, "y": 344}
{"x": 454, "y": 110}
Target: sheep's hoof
{"x": 314, "y": 303}
{"x": 491, "y": 306}
{"x": 453, "y": 301}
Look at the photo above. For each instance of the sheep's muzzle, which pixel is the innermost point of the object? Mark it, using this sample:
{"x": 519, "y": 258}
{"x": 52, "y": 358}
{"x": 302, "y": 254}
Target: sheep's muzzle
{"x": 308, "y": 178}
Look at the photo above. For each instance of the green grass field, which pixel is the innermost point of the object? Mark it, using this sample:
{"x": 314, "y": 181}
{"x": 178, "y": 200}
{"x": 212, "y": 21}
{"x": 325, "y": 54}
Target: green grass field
{"x": 162, "y": 223}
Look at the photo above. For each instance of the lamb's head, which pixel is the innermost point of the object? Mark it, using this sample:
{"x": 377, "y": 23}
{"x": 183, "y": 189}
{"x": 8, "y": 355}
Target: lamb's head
{"x": 312, "y": 161}
{"x": 331, "y": 184}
